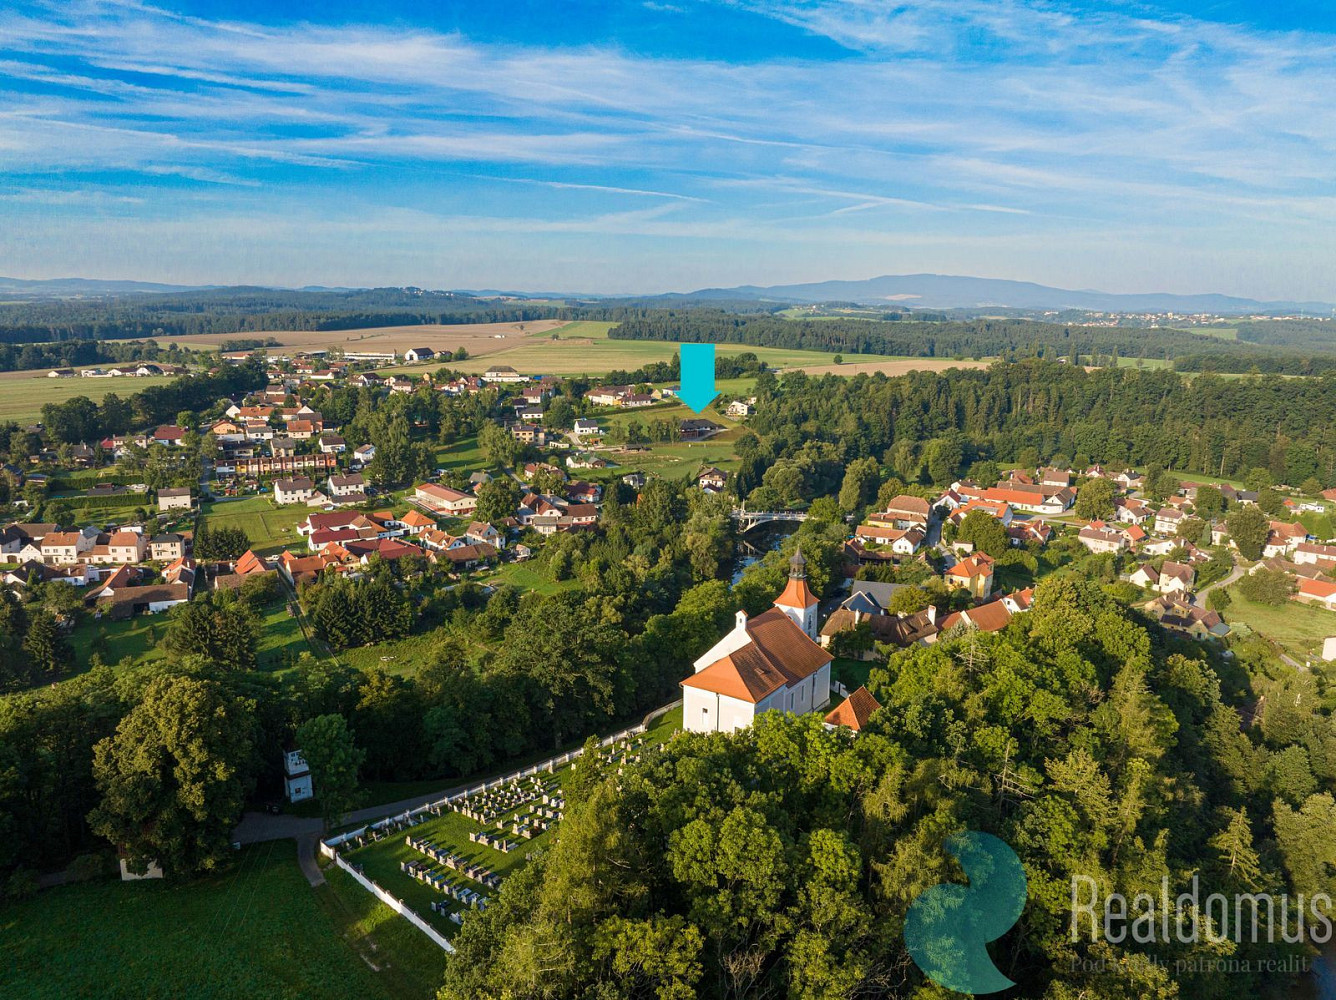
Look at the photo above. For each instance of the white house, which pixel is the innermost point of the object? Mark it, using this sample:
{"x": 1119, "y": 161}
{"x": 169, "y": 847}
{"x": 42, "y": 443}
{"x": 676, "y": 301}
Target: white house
{"x": 767, "y": 662}
{"x": 419, "y": 354}
{"x": 444, "y": 500}
{"x": 175, "y": 498}
{"x": 297, "y": 490}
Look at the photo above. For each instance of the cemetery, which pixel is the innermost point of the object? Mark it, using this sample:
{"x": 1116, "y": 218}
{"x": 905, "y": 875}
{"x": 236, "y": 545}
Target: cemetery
{"x": 453, "y": 856}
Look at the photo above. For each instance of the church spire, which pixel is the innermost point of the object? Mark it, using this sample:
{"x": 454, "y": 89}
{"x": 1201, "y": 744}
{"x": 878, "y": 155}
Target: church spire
{"x": 798, "y": 565}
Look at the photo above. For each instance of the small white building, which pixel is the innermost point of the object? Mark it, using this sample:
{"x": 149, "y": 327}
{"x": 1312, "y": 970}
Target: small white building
{"x": 297, "y": 490}
{"x": 296, "y": 777}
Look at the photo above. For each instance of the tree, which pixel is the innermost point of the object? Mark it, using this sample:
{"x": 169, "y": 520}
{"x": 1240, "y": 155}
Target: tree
{"x": 1209, "y": 502}
{"x": 908, "y": 601}
{"x": 174, "y": 777}
{"x": 1267, "y": 586}
{"x": 223, "y": 633}
{"x": 1219, "y": 599}
{"x": 498, "y": 446}
{"x": 984, "y": 532}
{"x": 1094, "y": 500}
{"x": 45, "y": 643}
{"x": 334, "y": 760}
{"x": 1248, "y": 528}
{"x": 497, "y": 499}
{"x": 220, "y": 544}
{"x": 861, "y": 479}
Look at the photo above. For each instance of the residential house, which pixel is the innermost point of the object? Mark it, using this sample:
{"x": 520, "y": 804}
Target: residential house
{"x": 585, "y": 427}
{"x": 712, "y": 480}
{"x": 1098, "y": 537}
{"x": 348, "y": 489}
{"x": 1168, "y": 520}
{"x": 1320, "y": 592}
{"x": 697, "y": 429}
{"x": 904, "y": 511}
{"x": 364, "y": 454}
{"x": 415, "y": 354}
{"x": 170, "y": 435}
{"x": 444, "y": 500}
{"x": 332, "y": 444}
{"x": 974, "y": 573}
{"x": 299, "y": 489}
{"x": 166, "y": 547}
{"x": 65, "y": 547}
{"x": 1311, "y": 553}
{"x": 503, "y": 373}
{"x": 174, "y": 498}
{"x": 740, "y": 408}
{"x": 901, "y": 541}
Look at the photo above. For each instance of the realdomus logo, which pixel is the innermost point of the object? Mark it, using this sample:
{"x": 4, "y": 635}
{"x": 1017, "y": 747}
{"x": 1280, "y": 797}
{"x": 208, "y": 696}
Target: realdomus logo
{"x": 948, "y": 927}
{"x": 1188, "y": 918}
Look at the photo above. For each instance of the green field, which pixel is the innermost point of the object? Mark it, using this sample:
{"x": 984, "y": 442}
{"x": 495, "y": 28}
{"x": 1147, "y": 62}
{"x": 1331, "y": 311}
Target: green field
{"x": 584, "y": 348}
{"x": 137, "y": 638}
{"x": 22, "y": 398}
{"x": 268, "y": 527}
{"x": 1299, "y": 628}
{"x": 526, "y": 576}
{"x": 255, "y": 930}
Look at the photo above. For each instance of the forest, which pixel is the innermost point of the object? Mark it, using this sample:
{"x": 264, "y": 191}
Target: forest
{"x": 930, "y": 428}
{"x": 1009, "y": 339}
{"x": 780, "y": 860}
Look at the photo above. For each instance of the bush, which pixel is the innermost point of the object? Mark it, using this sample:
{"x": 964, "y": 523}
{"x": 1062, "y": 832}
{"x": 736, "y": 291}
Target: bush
{"x": 1219, "y": 599}
{"x": 1266, "y": 586}
{"x": 87, "y": 867}
{"x": 22, "y": 885}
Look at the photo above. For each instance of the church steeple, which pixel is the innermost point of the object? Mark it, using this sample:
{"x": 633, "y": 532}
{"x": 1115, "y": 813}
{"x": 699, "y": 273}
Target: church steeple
{"x": 797, "y": 601}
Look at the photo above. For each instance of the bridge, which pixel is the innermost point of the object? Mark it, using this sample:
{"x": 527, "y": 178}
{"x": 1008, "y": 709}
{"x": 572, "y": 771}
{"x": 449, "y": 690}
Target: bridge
{"x": 748, "y": 519}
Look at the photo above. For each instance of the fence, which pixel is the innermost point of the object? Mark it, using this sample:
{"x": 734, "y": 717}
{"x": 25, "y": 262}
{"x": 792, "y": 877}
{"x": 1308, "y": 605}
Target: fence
{"x": 397, "y": 905}
{"x": 329, "y": 844}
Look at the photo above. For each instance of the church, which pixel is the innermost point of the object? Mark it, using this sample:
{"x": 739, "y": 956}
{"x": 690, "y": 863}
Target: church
{"x": 768, "y": 662}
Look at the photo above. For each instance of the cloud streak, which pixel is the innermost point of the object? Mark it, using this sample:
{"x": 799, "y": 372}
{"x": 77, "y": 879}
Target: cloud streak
{"x": 981, "y": 120}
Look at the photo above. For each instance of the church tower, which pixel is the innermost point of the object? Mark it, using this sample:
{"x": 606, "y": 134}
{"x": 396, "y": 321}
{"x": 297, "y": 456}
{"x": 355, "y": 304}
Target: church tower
{"x": 798, "y": 601}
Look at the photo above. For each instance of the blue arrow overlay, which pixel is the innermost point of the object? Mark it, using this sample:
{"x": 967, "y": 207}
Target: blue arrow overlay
{"x": 698, "y": 389}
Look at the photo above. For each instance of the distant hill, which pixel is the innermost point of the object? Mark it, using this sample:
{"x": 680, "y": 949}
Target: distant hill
{"x": 946, "y": 291}
{"x": 72, "y": 287}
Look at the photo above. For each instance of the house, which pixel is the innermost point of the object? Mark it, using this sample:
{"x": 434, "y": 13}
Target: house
{"x": 332, "y": 444}
{"x": 1055, "y": 477}
{"x": 175, "y": 498}
{"x": 170, "y": 435}
{"x": 608, "y": 395}
{"x": 990, "y": 617}
{"x": 1283, "y": 538}
{"x": 742, "y": 408}
{"x": 584, "y": 427}
{"x": 125, "y": 547}
{"x": 364, "y": 454}
{"x": 712, "y": 480}
{"x": 351, "y": 486}
{"x": 766, "y": 663}
{"x": 445, "y": 500}
{"x": 1321, "y": 592}
{"x": 60, "y": 373}
{"x": 1176, "y": 578}
{"x": 297, "y": 490}
{"x": 901, "y": 541}
{"x": 415, "y": 522}
{"x": 65, "y": 547}
{"x": 1313, "y": 554}
{"x": 854, "y": 712}
{"x": 974, "y": 573}
{"x": 1147, "y": 577}
{"x": 1099, "y": 537}
{"x": 697, "y": 429}
{"x": 635, "y": 480}
{"x": 527, "y": 433}
{"x": 415, "y": 354}
{"x": 120, "y": 603}
{"x": 480, "y": 532}
{"x": 503, "y": 373}
{"x": 1025, "y": 532}
{"x": 466, "y": 556}
{"x": 282, "y": 447}
{"x": 1174, "y": 612}
{"x": 993, "y": 508}
{"x": 1168, "y": 520}
{"x": 904, "y": 511}
{"x": 296, "y": 777}
{"x": 166, "y": 547}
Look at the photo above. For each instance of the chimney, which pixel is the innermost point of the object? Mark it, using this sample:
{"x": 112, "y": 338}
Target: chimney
{"x": 932, "y": 614}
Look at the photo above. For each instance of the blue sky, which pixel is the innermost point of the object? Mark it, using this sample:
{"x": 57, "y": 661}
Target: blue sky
{"x": 671, "y": 144}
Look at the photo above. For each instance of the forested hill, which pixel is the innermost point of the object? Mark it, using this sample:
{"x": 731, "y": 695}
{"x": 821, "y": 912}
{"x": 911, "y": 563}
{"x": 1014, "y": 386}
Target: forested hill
{"x": 979, "y": 338}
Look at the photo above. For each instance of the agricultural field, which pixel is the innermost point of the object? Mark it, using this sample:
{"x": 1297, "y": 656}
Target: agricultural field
{"x": 255, "y": 930}
{"x": 23, "y": 394}
{"x": 268, "y": 526}
{"x": 476, "y": 338}
{"x": 584, "y": 348}
{"x": 380, "y": 859}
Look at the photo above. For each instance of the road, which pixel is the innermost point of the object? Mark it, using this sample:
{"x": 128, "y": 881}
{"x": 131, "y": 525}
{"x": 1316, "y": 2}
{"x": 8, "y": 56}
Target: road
{"x": 1234, "y": 574}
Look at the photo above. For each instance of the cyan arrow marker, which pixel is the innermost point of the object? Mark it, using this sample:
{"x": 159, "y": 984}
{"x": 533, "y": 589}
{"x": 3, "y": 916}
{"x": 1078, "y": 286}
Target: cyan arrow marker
{"x": 697, "y": 376}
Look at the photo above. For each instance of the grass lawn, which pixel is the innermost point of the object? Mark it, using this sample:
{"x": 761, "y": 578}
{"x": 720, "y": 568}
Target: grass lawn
{"x": 1299, "y": 628}
{"x": 464, "y": 455}
{"x": 526, "y": 576}
{"x": 399, "y": 657}
{"x": 281, "y": 638}
{"x": 851, "y": 673}
{"x": 138, "y": 638}
{"x": 255, "y": 930}
{"x": 22, "y": 399}
{"x": 268, "y": 526}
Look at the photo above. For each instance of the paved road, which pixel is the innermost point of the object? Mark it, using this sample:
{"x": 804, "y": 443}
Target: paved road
{"x": 1234, "y": 574}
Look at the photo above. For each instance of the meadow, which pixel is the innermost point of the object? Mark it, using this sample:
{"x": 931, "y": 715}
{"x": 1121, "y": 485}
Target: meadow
{"x": 269, "y": 527}
{"x": 1298, "y": 628}
{"x": 23, "y": 394}
{"x": 256, "y": 929}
